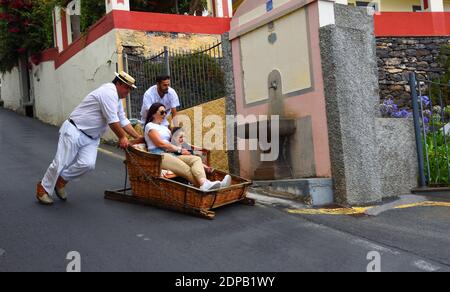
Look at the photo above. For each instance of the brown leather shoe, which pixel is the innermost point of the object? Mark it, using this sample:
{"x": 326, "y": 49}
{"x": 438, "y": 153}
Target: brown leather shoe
{"x": 60, "y": 190}
{"x": 42, "y": 195}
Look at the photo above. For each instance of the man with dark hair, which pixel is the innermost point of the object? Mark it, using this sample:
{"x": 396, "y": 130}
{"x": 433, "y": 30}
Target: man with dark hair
{"x": 161, "y": 93}
{"x": 80, "y": 136}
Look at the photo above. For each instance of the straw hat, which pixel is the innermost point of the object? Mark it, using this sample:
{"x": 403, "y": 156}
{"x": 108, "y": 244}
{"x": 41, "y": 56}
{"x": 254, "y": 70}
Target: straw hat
{"x": 127, "y": 79}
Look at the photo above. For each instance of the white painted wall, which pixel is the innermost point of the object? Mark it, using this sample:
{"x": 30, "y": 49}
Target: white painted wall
{"x": 58, "y": 92}
{"x": 47, "y": 97}
{"x": 86, "y": 71}
{"x": 11, "y": 92}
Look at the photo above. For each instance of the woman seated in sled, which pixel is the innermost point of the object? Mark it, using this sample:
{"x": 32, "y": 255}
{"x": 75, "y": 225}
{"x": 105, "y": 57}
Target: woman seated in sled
{"x": 176, "y": 159}
{"x": 179, "y": 139}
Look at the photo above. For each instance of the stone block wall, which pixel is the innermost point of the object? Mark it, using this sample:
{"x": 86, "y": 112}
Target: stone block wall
{"x": 397, "y": 156}
{"x": 398, "y": 57}
{"x": 149, "y": 43}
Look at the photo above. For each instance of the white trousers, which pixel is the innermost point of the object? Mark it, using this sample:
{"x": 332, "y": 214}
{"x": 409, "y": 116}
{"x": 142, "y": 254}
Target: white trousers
{"x": 76, "y": 155}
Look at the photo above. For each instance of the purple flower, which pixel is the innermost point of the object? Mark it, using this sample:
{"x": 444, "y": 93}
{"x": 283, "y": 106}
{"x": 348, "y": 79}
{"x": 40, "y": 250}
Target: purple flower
{"x": 425, "y": 100}
{"x": 401, "y": 114}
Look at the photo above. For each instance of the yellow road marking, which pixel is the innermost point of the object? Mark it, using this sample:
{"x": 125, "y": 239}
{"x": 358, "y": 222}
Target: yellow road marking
{"x": 337, "y": 211}
{"x": 360, "y": 211}
{"x": 425, "y": 204}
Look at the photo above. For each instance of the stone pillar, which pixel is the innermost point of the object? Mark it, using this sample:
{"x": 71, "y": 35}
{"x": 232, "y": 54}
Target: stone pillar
{"x": 350, "y": 76}
{"x": 230, "y": 104}
{"x": 117, "y": 5}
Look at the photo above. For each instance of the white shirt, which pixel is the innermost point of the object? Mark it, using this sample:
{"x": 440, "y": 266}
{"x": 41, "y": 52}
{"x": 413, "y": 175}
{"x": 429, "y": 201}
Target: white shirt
{"x": 163, "y": 132}
{"x": 151, "y": 96}
{"x": 99, "y": 109}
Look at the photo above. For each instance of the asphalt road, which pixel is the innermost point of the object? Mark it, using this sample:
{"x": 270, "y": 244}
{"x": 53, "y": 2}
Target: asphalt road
{"x": 112, "y": 236}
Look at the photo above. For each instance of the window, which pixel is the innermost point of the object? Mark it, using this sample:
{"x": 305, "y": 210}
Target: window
{"x": 366, "y": 4}
{"x": 417, "y": 8}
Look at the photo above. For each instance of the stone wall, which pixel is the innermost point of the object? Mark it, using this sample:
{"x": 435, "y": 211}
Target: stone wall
{"x": 397, "y": 57}
{"x": 149, "y": 43}
{"x": 397, "y": 156}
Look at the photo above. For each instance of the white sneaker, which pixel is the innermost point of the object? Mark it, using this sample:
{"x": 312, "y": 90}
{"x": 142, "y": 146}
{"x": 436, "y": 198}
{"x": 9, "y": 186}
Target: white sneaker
{"x": 226, "y": 182}
{"x": 209, "y": 186}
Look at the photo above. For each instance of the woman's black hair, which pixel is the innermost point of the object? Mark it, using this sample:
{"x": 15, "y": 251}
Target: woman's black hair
{"x": 152, "y": 111}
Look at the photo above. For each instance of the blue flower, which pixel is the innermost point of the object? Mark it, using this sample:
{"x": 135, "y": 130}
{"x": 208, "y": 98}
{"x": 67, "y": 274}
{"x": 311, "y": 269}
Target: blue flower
{"x": 425, "y": 100}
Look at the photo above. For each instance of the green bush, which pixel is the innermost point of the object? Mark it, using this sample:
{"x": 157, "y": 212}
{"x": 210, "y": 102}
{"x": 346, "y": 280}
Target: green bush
{"x": 438, "y": 156}
{"x": 91, "y": 12}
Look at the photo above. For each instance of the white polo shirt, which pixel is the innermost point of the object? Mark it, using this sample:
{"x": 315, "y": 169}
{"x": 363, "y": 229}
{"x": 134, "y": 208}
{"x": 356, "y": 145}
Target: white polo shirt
{"x": 99, "y": 109}
{"x": 163, "y": 132}
{"x": 170, "y": 101}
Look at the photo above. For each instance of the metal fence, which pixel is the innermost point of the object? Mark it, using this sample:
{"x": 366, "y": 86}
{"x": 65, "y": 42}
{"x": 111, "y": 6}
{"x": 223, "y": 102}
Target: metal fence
{"x": 431, "y": 112}
{"x": 196, "y": 75}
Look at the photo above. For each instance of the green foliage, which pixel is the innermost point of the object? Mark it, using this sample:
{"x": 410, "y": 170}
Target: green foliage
{"x": 438, "y": 156}
{"x": 91, "y": 12}
{"x": 25, "y": 29}
{"x": 169, "y": 6}
{"x": 436, "y": 145}
{"x": 442, "y": 90}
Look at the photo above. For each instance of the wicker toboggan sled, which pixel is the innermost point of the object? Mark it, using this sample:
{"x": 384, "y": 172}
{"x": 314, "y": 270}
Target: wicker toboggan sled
{"x": 148, "y": 187}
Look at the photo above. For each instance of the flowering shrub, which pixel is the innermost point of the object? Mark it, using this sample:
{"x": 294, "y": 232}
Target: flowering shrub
{"x": 390, "y": 110}
{"x": 25, "y": 29}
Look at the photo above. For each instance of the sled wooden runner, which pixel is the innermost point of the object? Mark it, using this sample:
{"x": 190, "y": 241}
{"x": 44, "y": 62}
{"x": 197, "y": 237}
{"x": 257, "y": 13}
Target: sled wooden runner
{"x": 126, "y": 196}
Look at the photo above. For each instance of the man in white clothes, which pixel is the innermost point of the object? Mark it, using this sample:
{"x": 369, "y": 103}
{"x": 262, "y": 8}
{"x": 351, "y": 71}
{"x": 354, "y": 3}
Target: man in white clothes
{"x": 161, "y": 93}
{"x": 80, "y": 136}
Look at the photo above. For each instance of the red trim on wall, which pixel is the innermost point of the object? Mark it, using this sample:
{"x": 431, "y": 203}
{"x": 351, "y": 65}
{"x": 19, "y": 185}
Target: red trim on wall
{"x": 141, "y": 21}
{"x": 64, "y": 32}
{"x": 49, "y": 55}
{"x": 412, "y": 24}
{"x": 169, "y": 22}
{"x": 102, "y": 27}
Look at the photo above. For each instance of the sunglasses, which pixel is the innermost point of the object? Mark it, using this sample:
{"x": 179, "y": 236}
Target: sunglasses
{"x": 163, "y": 113}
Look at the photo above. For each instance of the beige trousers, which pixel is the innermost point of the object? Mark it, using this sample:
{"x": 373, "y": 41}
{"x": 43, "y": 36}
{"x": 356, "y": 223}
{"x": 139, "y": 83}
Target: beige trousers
{"x": 189, "y": 167}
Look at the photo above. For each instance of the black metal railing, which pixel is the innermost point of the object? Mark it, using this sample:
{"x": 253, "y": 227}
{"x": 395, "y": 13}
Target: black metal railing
{"x": 431, "y": 112}
{"x": 196, "y": 75}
